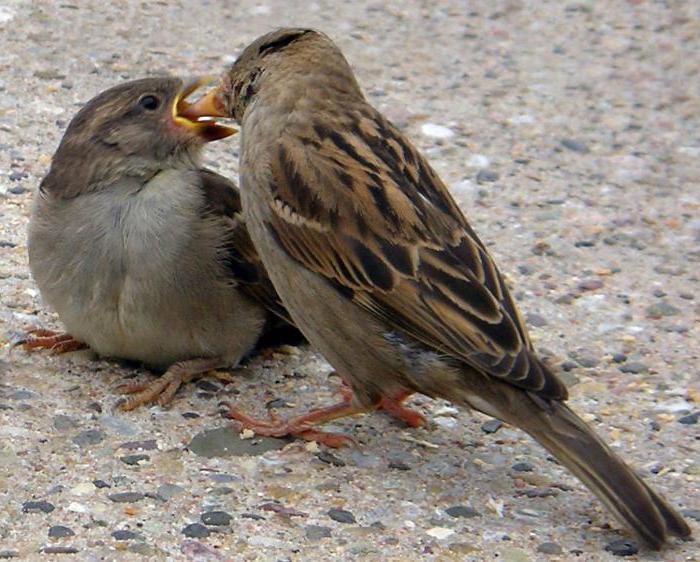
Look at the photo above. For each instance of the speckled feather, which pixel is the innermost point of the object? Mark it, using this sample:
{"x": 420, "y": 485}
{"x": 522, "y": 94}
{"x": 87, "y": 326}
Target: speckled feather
{"x": 366, "y": 211}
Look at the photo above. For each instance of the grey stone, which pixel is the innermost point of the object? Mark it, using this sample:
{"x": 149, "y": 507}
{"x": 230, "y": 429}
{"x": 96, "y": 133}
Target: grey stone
{"x": 225, "y": 442}
{"x": 549, "y": 548}
{"x": 622, "y": 547}
{"x": 341, "y": 516}
{"x": 37, "y": 506}
{"x": 216, "y": 518}
{"x": 135, "y": 460}
{"x": 486, "y": 175}
{"x": 634, "y": 367}
{"x": 317, "y": 532}
{"x": 196, "y": 531}
{"x": 126, "y": 535}
{"x": 145, "y": 445}
{"x": 522, "y": 467}
{"x": 463, "y": 511}
{"x": 126, "y": 497}
{"x": 59, "y": 531}
{"x": 536, "y": 320}
{"x": 59, "y": 550}
{"x": 661, "y": 309}
{"x": 491, "y": 426}
{"x": 22, "y": 395}
{"x": 166, "y": 492}
{"x": 62, "y": 422}
{"x": 690, "y": 419}
{"x": 575, "y": 145}
{"x": 7, "y": 554}
{"x": 89, "y": 437}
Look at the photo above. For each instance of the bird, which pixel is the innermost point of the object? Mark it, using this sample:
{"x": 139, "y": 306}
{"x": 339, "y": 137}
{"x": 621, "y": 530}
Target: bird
{"x": 143, "y": 252}
{"x": 381, "y": 271}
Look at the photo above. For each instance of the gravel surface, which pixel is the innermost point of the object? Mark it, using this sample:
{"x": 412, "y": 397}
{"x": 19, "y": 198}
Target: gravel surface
{"x": 569, "y": 133}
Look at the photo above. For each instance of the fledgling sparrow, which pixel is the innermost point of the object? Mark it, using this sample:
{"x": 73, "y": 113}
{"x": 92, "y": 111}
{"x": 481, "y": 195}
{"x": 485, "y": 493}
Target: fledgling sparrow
{"x": 381, "y": 271}
{"x": 143, "y": 253}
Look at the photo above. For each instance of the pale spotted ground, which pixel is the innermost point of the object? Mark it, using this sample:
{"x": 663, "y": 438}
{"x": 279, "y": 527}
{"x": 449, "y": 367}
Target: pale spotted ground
{"x": 568, "y": 131}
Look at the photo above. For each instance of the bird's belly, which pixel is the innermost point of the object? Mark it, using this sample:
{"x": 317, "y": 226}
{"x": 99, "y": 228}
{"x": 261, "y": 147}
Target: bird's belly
{"x": 145, "y": 291}
{"x": 356, "y": 344}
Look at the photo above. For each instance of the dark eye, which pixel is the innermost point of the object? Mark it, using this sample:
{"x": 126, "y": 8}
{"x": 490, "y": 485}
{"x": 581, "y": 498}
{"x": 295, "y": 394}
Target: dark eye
{"x": 149, "y": 102}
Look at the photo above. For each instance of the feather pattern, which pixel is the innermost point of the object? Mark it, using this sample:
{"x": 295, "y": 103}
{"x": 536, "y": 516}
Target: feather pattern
{"x": 366, "y": 211}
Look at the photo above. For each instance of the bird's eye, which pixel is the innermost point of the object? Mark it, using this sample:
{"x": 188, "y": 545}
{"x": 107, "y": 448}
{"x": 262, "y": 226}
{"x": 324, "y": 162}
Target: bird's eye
{"x": 149, "y": 102}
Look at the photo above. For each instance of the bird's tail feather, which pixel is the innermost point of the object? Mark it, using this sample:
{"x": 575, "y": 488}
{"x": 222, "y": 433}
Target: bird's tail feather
{"x": 577, "y": 447}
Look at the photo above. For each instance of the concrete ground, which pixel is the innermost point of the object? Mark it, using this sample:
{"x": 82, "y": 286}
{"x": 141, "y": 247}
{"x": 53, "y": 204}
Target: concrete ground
{"x": 568, "y": 131}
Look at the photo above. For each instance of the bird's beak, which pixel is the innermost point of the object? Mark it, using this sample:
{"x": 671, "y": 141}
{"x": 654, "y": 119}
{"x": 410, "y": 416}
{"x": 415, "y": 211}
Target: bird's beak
{"x": 199, "y": 116}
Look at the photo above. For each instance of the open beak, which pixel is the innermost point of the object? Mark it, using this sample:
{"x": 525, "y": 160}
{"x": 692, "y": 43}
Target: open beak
{"x": 199, "y": 116}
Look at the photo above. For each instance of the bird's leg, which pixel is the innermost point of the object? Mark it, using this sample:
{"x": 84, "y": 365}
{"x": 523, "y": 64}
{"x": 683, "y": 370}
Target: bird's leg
{"x": 393, "y": 406}
{"x": 56, "y": 342}
{"x": 163, "y": 389}
{"x": 300, "y": 426}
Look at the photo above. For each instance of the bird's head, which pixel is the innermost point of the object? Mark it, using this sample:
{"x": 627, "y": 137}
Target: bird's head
{"x": 133, "y": 129}
{"x": 285, "y": 63}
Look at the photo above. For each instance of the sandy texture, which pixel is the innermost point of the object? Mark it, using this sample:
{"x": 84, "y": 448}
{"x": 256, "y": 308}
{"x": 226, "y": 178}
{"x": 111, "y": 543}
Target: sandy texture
{"x": 568, "y": 131}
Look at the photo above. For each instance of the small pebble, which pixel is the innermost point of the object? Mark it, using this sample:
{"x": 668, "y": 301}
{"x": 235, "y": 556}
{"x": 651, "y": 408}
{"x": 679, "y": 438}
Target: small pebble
{"x": 463, "y": 511}
{"x": 145, "y": 445}
{"x": 38, "y": 506}
{"x": 569, "y": 365}
{"x": 59, "y": 550}
{"x": 62, "y": 422}
{"x": 317, "y": 532}
{"x": 100, "y": 484}
{"x": 253, "y": 516}
{"x": 126, "y": 535}
{"x": 166, "y": 492}
{"x": 619, "y": 357}
{"x": 216, "y": 518}
{"x": 437, "y": 131}
{"x": 590, "y": 284}
{"x": 661, "y": 309}
{"x": 7, "y": 554}
{"x": 549, "y": 548}
{"x": 486, "y": 175}
{"x": 89, "y": 437}
{"x": 134, "y": 460}
{"x": 341, "y": 516}
{"x": 17, "y": 190}
{"x": 623, "y": 547}
{"x": 575, "y": 145}
{"x": 59, "y": 531}
{"x": 690, "y": 419}
{"x": 536, "y": 320}
{"x": 126, "y": 497}
{"x": 692, "y": 513}
{"x": 398, "y": 465}
{"x": 491, "y": 426}
{"x": 190, "y": 415}
{"x": 634, "y": 367}
{"x": 196, "y": 531}
{"x": 522, "y": 467}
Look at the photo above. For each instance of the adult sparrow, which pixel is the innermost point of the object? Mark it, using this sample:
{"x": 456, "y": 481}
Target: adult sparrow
{"x": 143, "y": 253}
{"x": 381, "y": 271}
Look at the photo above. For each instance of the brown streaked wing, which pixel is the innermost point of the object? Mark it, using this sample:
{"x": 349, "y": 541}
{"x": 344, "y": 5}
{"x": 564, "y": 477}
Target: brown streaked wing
{"x": 366, "y": 211}
{"x": 239, "y": 256}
